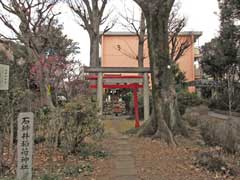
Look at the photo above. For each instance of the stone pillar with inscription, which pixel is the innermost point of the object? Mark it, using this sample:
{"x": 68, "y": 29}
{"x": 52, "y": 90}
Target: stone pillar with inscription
{"x": 4, "y": 77}
{"x": 25, "y": 146}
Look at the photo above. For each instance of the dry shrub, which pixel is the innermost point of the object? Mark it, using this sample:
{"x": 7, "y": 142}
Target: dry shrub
{"x": 71, "y": 124}
{"x": 214, "y": 161}
{"x": 192, "y": 118}
{"x": 224, "y": 133}
{"x": 211, "y": 161}
{"x": 193, "y": 115}
{"x": 82, "y": 120}
{"x": 186, "y": 100}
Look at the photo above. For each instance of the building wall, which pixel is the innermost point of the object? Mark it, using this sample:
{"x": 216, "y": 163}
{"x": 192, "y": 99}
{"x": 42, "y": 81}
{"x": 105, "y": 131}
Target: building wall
{"x": 121, "y": 51}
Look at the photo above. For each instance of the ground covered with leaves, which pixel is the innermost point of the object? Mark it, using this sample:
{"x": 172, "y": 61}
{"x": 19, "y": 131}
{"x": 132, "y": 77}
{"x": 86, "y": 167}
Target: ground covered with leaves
{"x": 181, "y": 163}
{"x": 54, "y": 165}
{"x": 154, "y": 159}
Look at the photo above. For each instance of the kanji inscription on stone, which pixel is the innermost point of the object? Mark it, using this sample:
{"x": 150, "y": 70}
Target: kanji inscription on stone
{"x": 25, "y": 146}
{"x": 4, "y": 77}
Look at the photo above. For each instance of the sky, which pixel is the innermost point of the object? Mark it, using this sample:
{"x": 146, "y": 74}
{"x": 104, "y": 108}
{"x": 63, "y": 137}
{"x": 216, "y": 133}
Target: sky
{"x": 201, "y": 15}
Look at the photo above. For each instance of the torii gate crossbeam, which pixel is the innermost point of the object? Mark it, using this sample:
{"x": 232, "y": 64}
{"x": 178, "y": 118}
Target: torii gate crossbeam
{"x": 130, "y": 82}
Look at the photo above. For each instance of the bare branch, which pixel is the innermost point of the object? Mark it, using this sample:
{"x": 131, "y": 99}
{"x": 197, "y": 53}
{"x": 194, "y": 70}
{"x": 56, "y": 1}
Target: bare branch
{"x": 91, "y": 14}
{"x": 175, "y": 26}
{"x": 8, "y": 38}
{"x": 33, "y": 15}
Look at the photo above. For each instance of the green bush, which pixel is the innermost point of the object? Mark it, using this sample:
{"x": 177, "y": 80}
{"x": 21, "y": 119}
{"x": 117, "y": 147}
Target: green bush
{"x": 78, "y": 120}
{"x": 187, "y": 99}
{"x": 220, "y": 99}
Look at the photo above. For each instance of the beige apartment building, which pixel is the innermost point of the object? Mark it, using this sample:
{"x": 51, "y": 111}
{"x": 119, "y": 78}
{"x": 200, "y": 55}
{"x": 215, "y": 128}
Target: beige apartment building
{"x": 119, "y": 49}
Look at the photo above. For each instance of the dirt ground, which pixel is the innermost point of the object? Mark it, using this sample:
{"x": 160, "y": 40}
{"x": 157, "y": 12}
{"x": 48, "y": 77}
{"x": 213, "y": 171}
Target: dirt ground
{"x": 157, "y": 161}
{"x": 154, "y": 159}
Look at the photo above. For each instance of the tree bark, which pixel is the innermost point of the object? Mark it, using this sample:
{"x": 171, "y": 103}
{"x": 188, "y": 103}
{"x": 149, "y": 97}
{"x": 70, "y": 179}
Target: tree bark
{"x": 141, "y": 40}
{"x": 1, "y": 150}
{"x": 230, "y": 87}
{"x": 94, "y": 49}
{"x": 166, "y": 120}
{"x": 92, "y": 15}
{"x": 46, "y": 98}
{"x": 11, "y": 139}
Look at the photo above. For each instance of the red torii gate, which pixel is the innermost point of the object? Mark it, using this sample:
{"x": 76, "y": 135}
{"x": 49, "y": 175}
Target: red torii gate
{"x": 133, "y": 82}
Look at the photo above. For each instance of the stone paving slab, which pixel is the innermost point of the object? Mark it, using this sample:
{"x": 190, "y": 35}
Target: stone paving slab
{"x": 126, "y": 178}
{"x": 123, "y": 137}
{"x": 125, "y": 168}
{"x": 120, "y": 153}
{"x": 125, "y": 172}
{"x": 102, "y": 178}
{"x": 125, "y": 164}
{"x": 122, "y": 143}
{"x": 124, "y": 148}
{"x": 125, "y": 158}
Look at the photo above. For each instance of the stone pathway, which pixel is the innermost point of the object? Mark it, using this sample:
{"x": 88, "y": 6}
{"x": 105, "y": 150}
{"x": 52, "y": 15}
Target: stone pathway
{"x": 124, "y": 160}
{"x": 221, "y": 116}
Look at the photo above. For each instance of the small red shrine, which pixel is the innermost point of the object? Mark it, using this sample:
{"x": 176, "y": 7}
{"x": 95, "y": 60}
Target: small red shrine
{"x": 110, "y": 81}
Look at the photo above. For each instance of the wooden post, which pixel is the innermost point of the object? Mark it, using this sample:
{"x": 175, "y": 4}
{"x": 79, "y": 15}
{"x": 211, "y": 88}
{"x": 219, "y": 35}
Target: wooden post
{"x": 100, "y": 92}
{"x": 135, "y": 96}
{"x": 146, "y": 97}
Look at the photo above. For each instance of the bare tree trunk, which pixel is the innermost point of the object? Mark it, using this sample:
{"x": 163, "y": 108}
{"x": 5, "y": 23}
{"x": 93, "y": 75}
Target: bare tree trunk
{"x": 92, "y": 15}
{"x": 94, "y": 55}
{"x": 45, "y": 93}
{"x": 11, "y": 132}
{"x": 141, "y": 40}
{"x": 94, "y": 50}
{"x": 230, "y": 86}
{"x": 166, "y": 120}
{"x": 48, "y": 96}
{"x": 1, "y": 150}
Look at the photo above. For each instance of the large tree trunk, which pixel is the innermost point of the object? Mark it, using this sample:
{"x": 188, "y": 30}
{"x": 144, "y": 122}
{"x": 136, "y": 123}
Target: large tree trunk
{"x": 94, "y": 55}
{"x": 166, "y": 120}
{"x": 94, "y": 49}
{"x": 46, "y": 98}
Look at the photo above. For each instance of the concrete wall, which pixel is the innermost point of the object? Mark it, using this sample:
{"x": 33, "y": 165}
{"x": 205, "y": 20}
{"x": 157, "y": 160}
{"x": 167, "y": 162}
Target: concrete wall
{"x": 121, "y": 51}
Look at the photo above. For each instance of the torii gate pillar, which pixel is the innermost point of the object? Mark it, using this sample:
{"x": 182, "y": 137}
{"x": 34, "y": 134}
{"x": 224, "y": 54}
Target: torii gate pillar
{"x": 146, "y": 97}
{"x": 132, "y": 85}
{"x": 100, "y": 92}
